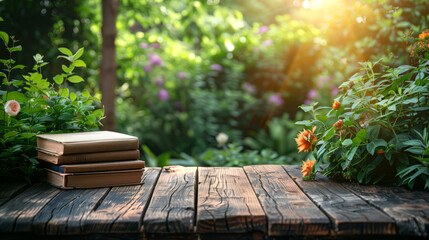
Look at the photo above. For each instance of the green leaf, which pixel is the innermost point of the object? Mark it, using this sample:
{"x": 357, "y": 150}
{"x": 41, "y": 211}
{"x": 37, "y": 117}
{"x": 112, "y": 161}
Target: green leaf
{"x": 79, "y": 63}
{"x": 4, "y": 37}
{"x": 322, "y": 118}
{"x": 86, "y": 94}
{"x": 306, "y": 108}
{"x": 352, "y": 153}
{"x": 66, "y": 116}
{"x": 361, "y": 135}
{"x": 347, "y": 142}
{"x": 64, "y": 92}
{"x": 20, "y": 97}
{"x": 18, "y": 66}
{"x": 75, "y": 79}
{"x": 78, "y": 54}
{"x": 28, "y": 135}
{"x": 73, "y": 96}
{"x": 373, "y": 132}
{"x": 10, "y": 134}
{"x": 374, "y": 144}
{"x": 330, "y": 134}
{"x": 65, "y": 51}
{"x": 415, "y": 150}
{"x": 15, "y": 49}
{"x": 59, "y": 79}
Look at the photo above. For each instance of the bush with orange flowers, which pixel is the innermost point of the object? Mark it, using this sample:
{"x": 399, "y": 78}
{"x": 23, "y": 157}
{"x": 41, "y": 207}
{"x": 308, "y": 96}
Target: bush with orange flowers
{"x": 419, "y": 47}
{"x": 377, "y": 130}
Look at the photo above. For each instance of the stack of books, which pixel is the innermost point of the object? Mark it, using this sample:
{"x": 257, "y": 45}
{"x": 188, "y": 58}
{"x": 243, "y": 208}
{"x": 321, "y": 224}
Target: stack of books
{"x": 90, "y": 159}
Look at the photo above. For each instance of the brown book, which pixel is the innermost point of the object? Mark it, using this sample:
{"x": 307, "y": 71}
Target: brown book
{"x": 86, "y": 142}
{"x": 95, "y": 167}
{"x": 93, "y": 179}
{"x": 52, "y": 157}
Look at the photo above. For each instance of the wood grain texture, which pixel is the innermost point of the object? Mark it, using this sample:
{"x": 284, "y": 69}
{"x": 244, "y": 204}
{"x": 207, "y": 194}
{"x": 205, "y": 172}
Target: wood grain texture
{"x": 227, "y": 202}
{"x": 18, "y": 213}
{"x": 123, "y": 207}
{"x": 64, "y": 215}
{"x": 409, "y": 209}
{"x": 10, "y": 189}
{"x": 171, "y": 208}
{"x": 289, "y": 211}
{"x": 349, "y": 213}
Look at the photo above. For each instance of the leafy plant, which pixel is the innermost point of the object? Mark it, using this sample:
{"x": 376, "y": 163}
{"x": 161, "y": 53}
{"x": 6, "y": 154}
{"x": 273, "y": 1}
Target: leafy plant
{"x": 42, "y": 106}
{"x": 375, "y": 130}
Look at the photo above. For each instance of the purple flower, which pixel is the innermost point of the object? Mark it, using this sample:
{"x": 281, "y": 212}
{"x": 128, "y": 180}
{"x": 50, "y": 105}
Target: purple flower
{"x": 307, "y": 102}
{"x": 180, "y": 75}
{"x": 159, "y": 82}
{"x": 267, "y": 43}
{"x": 163, "y": 95}
{"x": 155, "y": 60}
{"x": 147, "y": 69}
{"x": 334, "y": 91}
{"x": 276, "y": 99}
{"x": 143, "y": 45}
{"x": 155, "y": 45}
{"x": 263, "y": 29}
{"x": 312, "y": 94}
{"x": 216, "y": 67}
{"x": 255, "y": 49}
{"x": 250, "y": 88}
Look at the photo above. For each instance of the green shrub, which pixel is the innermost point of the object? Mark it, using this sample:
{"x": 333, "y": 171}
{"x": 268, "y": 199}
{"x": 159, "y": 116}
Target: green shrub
{"x": 380, "y": 131}
{"x": 41, "y": 106}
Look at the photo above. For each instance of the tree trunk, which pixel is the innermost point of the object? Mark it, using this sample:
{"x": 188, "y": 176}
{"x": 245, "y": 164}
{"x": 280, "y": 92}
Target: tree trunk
{"x": 108, "y": 62}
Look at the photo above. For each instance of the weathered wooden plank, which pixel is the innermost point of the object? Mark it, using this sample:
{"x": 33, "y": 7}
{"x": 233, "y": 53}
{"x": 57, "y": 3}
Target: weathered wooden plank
{"x": 409, "y": 209}
{"x": 289, "y": 211}
{"x": 227, "y": 202}
{"x": 123, "y": 207}
{"x": 63, "y": 215}
{"x": 18, "y": 213}
{"x": 171, "y": 208}
{"x": 349, "y": 213}
{"x": 10, "y": 189}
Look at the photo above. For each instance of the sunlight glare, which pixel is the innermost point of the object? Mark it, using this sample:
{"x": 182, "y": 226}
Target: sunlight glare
{"x": 306, "y": 4}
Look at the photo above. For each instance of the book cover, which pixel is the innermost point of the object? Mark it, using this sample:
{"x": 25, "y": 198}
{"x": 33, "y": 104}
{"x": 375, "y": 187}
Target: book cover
{"x": 55, "y": 158}
{"x": 95, "y": 167}
{"x": 93, "y": 179}
{"x": 86, "y": 142}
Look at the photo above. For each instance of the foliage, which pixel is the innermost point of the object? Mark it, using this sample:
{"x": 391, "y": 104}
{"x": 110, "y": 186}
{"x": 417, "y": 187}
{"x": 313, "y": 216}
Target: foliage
{"x": 45, "y": 106}
{"x": 378, "y": 133}
{"x": 231, "y": 155}
{"x": 278, "y": 137}
{"x": 54, "y": 24}
{"x": 193, "y": 70}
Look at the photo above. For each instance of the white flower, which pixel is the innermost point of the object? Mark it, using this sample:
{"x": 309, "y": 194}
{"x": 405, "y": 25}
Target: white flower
{"x": 12, "y": 107}
{"x": 222, "y": 138}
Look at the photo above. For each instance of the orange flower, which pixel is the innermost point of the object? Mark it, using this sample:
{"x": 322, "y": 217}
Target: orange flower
{"x": 423, "y": 35}
{"x": 336, "y": 105}
{"x": 380, "y": 151}
{"x": 305, "y": 140}
{"x": 338, "y": 125}
{"x": 306, "y": 168}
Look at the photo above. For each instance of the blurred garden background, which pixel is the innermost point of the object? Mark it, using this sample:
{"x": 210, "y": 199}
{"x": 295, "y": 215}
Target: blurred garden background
{"x": 189, "y": 70}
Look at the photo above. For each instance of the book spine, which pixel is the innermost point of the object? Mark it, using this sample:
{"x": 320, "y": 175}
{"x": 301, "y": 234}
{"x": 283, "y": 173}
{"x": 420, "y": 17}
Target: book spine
{"x": 99, "y": 157}
{"x": 100, "y": 146}
{"x": 99, "y": 167}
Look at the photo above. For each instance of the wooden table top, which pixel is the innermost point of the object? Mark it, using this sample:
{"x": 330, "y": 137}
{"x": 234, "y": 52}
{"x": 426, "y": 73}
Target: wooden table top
{"x": 253, "y": 202}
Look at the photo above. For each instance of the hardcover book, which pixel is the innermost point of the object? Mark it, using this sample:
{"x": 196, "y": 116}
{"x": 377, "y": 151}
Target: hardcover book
{"x": 86, "y": 142}
{"x": 93, "y": 179}
{"x": 95, "y": 167}
{"x": 55, "y": 158}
